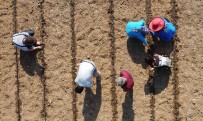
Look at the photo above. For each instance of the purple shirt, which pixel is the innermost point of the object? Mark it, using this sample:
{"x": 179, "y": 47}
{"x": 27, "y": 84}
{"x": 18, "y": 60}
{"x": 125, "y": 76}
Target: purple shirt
{"x": 129, "y": 83}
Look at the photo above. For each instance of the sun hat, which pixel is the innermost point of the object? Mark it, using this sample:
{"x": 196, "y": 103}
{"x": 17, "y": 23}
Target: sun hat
{"x": 120, "y": 81}
{"x": 156, "y": 24}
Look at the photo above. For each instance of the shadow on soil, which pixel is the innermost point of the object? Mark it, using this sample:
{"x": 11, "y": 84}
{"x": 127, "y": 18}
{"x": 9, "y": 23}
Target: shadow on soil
{"x": 160, "y": 79}
{"x": 92, "y": 102}
{"x": 136, "y": 51}
{"x": 159, "y": 82}
{"x": 29, "y": 62}
{"x": 163, "y": 48}
{"x": 128, "y": 112}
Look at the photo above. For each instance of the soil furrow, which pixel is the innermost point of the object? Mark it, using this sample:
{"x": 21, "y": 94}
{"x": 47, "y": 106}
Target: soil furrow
{"x": 73, "y": 60}
{"x": 14, "y": 16}
{"x": 148, "y": 10}
{"x": 18, "y": 102}
{"x": 43, "y": 77}
{"x": 174, "y": 17}
{"x": 113, "y": 58}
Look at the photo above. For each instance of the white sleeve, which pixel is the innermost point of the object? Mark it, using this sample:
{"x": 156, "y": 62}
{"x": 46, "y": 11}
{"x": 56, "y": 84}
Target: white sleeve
{"x": 21, "y": 33}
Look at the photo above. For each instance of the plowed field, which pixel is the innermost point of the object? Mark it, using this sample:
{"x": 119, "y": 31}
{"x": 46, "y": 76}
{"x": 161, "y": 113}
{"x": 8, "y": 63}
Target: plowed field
{"x": 39, "y": 86}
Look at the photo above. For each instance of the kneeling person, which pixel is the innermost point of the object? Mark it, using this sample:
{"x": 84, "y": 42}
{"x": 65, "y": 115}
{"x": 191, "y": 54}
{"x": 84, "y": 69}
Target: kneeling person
{"x": 162, "y": 28}
{"x": 125, "y": 81}
{"x": 87, "y": 69}
{"x": 158, "y": 61}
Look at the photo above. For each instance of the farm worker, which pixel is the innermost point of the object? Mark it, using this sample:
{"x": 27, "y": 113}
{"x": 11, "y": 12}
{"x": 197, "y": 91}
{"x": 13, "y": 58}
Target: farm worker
{"x": 125, "y": 80}
{"x": 162, "y": 28}
{"x": 26, "y": 42}
{"x": 137, "y": 30}
{"x": 158, "y": 61}
{"x": 87, "y": 69}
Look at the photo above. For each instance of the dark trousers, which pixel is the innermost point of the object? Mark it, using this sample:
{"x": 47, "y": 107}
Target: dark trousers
{"x": 31, "y": 32}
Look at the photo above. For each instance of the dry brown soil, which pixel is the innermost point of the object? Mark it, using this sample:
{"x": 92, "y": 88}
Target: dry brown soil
{"x": 39, "y": 86}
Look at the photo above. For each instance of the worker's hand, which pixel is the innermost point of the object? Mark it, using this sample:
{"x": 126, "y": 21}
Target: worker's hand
{"x": 151, "y": 72}
{"x": 40, "y": 47}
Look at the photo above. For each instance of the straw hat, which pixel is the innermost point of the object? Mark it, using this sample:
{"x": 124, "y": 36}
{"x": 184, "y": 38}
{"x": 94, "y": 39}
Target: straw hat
{"x": 156, "y": 24}
{"x": 120, "y": 81}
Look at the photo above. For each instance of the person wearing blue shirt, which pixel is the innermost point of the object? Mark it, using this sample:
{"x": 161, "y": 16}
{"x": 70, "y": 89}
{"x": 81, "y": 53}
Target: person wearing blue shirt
{"x": 162, "y": 28}
{"x": 137, "y": 30}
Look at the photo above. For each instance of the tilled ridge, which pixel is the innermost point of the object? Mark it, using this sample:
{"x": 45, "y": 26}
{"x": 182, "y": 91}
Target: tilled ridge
{"x": 148, "y": 11}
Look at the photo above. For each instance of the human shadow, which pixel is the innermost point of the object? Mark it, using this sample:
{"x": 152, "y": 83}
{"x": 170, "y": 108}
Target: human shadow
{"x": 128, "y": 112}
{"x": 29, "y": 62}
{"x": 136, "y": 50}
{"x": 92, "y": 102}
{"x": 164, "y": 48}
{"x": 159, "y": 81}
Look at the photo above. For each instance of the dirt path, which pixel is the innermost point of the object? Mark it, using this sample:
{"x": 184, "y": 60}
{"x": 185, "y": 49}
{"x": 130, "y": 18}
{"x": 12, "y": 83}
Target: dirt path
{"x": 58, "y": 60}
{"x": 190, "y": 56}
{"x": 8, "y": 81}
{"x": 92, "y": 29}
{"x": 130, "y": 56}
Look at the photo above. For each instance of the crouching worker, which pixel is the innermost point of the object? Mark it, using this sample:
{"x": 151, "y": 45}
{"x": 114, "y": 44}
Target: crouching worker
{"x": 87, "y": 69}
{"x": 138, "y": 30}
{"x": 125, "y": 81}
{"x": 162, "y": 28}
{"x": 26, "y": 42}
{"x": 158, "y": 61}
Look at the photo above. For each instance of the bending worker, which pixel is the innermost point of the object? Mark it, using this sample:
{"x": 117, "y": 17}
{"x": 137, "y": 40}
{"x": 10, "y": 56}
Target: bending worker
{"x": 137, "y": 30}
{"x": 87, "y": 69}
{"x": 162, "y": 28}
{"x": 125, "y": 80}
{"x": 26, "y": 42}
{"x": 158, "y": 61}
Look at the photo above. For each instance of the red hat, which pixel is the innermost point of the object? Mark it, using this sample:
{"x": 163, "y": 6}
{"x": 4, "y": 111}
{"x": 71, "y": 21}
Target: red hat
{"x": 156, "y": 24}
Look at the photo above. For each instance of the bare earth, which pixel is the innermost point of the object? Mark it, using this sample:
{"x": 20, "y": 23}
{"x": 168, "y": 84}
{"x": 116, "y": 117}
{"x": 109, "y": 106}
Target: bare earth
{"x": 39, "y": 86}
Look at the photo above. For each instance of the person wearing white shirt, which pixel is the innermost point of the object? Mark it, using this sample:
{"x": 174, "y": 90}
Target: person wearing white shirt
{"x": 87, "y": 70}
{"x": 158, "y": 61}
{"x": 26, "y": 42}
